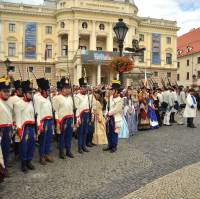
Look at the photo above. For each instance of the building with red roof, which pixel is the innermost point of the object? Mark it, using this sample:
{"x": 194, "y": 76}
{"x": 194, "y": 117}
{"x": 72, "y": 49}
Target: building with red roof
{"x": 188, "y": 52}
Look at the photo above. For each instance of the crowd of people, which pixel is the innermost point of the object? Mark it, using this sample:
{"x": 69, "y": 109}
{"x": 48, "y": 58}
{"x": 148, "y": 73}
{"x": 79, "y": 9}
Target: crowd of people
{"x": 93, "y": 115}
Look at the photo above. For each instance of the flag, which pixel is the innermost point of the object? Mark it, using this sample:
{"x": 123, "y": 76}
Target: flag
{"x": 45, "y": 53}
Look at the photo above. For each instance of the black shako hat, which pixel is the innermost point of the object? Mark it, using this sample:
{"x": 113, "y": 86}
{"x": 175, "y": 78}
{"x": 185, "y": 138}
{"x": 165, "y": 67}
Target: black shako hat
{"x": 43, "y": 84}
{"x": 82, "y": 82}
{"x": 64, "y": 83}
{"x": 26, "y": 86}
{"x": 17, "y": 84}
{"x": 5, "y": 83}
{"x": 116, "y": 85}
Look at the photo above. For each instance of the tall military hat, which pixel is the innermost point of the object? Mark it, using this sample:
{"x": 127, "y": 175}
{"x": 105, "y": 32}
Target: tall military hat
{"x": 82, "y": 82}
{"x": 64, "y": 83}
{"x": 17, "y": 84}
{"x": 5, "y": 83}
{"x": 116, "y": 84}
{"x": 27, "y": 86}
{"x": 58, "y": 85}
{"x": 43, "y": 84}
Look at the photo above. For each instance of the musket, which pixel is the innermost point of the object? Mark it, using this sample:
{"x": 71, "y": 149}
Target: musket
{"x": 72, "y": 95}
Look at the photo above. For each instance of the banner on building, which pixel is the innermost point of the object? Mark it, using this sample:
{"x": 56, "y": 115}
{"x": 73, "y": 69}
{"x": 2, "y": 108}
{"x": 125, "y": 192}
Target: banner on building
{"x": 99, "y": 57}
{"x": 30, "y": 40}
{"x": 156, "y": 48}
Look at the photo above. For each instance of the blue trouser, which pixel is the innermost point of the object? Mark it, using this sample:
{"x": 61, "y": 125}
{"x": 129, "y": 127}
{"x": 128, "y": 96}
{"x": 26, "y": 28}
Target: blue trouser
{"x": 27, "y": 146}
{"x": 83, "y": 129}
{"x": 5, "y": 133}
{"x": 112, "y": 135}
{"x": 65, "y": 138}
{"x": 45, "y": 138}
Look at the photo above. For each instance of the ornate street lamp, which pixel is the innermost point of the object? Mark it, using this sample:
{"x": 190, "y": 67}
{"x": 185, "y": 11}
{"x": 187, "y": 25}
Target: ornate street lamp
{"x": 120, "y": 30}
{"x": 7, "y": 62}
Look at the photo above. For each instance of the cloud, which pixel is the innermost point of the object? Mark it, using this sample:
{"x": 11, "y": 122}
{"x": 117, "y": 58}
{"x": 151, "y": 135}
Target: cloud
{"x": 185, "y": 12}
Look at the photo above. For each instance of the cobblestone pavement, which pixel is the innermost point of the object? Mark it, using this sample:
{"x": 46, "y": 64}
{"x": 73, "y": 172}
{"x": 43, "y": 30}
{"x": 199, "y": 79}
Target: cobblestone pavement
{"x": 181, "y": 184}
{"x": 140, "y": 160}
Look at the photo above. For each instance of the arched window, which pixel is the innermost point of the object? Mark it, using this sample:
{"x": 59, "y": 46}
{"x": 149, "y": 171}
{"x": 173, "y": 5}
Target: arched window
{"x": 168, "y": 58}
{"x": 102, "y": 26}
{"x": 84, "y": 25}
{"x": 62, "y": 24}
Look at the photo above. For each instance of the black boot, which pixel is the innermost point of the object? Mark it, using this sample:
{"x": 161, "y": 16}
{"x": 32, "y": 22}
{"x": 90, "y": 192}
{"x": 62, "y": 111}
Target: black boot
{"x": 61, "y": 154}
{"x": 85, "y": 149}
{"x": 90, "y": 144}
{"x": 24, "y": 166}
{"x": 30, "y": 165}
{"x": 69, "y": 153}
{"x": 107, "y": 148}
{"x": 113, "y": 150}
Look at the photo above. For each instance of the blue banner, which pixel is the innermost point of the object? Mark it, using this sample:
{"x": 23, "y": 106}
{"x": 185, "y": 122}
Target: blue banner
{"x": 30, "y": 40}
{"x": 156, "y": 48}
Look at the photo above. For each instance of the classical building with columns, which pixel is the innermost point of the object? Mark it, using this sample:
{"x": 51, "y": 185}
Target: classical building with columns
{"x": 74, "y": 36}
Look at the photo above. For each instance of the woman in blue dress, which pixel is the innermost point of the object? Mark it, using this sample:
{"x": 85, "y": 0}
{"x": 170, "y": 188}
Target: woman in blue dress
{"x": 151, "y": 112}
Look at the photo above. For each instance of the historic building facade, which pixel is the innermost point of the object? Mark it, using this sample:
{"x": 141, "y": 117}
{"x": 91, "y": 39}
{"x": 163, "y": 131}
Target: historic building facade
{"x": 74, "y": 36}
{"x": 188, "y": 66}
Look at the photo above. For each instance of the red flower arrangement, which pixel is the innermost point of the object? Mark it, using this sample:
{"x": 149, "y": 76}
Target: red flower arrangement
{"x": 122, "y": 64}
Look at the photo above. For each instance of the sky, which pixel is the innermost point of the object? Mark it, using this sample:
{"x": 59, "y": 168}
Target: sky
{"x": 185, "y": 12}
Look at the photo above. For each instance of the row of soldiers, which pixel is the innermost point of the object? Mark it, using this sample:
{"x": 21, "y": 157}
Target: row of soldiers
{"x": 36, "y": 116}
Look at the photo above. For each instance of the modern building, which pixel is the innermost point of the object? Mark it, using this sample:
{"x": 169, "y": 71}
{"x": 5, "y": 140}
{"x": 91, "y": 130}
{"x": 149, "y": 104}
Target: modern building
{"x": 188, "y": 66}
{"x": 74, "y": 36}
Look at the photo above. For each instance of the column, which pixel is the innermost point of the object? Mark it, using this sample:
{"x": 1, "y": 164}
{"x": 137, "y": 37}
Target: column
{"x": 70, "y": 40}
{"x": 76, "y": 35}
{"x": 3, "y": 48}
{"x": 110, "y": 38}
{"x": 59, "y": 46}
{"x": 99, "y": 74}
{"x": 93, "y": 37}
{"x": 78, "y": 73}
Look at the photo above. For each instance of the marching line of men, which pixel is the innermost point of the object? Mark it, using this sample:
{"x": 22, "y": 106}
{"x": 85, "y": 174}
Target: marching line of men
{"x": 34, "y": 116}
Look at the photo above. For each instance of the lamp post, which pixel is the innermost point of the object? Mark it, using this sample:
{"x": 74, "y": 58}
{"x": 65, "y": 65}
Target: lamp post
{"x": 120, "y": 30}
{"x": 7, "y": 62}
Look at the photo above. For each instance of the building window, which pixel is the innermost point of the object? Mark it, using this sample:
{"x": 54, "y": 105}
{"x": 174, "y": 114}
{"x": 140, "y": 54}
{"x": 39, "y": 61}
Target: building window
{"x": 47, "y": 69}
{"x": 141, "y": 37}
{"x": 83, "y": 47}
{"x": 188, "y": 62}
{"x": 188, "y": 76}
{"x": 169, "y": 74}
{"x": 30, "y": 69}
{"x": 11, "y": 49}
{"x": 198, "y": 60}
{"x": 102, "y": 26}
{"x": 49, "y": 50}
{"x": 84, "y": 25}
{"x": 48, "y": 29}
{"x": 169, "y": 40}
{"x": 65, "y": 50}
{"x": 62, "y": 24}
{"x": 198, "y": 74}
{"x": 12, "y": 27}
{"x": 178, "y": 64}
{"x": 155, "y": 74}
{"x": 99, "y": 48}
{"x": 168, "y": 58}
{"x": 141, "y": 57}
{"x": 178, "y": 77}
{"x": 115, "y": 50}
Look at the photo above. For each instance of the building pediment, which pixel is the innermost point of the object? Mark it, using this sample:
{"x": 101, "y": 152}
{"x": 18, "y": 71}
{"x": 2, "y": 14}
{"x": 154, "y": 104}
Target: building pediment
{"x": 11, "y": 38}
